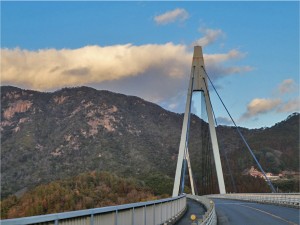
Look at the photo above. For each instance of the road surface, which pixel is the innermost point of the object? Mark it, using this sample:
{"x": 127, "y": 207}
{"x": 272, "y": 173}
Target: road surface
{"x": 193, "y": 208}
{"x": 247, "y": 213}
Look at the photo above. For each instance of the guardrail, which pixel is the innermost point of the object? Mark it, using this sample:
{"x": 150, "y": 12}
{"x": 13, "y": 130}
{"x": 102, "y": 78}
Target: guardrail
{"x": 209, "y": 218}
{"x": 142, "y": 213}
{"x": 290, "y": 199}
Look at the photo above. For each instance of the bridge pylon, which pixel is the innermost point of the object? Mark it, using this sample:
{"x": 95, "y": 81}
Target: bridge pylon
{"x": 198, "y": 82}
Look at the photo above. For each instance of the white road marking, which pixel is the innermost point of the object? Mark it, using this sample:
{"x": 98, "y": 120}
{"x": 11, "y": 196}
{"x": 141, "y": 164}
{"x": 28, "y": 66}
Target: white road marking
{"x": 270, "y": 214}
{"x": 234, "y": 203}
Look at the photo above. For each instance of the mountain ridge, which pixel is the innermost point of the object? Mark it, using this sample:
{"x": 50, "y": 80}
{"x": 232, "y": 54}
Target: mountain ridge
{"x": 50, "y": 135}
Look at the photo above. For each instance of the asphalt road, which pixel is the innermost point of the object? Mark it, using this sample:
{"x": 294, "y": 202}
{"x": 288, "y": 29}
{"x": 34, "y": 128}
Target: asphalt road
{"x": 247, "y": 213}
{"x": 193, "y": 208}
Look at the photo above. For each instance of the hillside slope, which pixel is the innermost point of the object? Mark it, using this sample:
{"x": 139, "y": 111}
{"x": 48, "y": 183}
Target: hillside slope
{"x": 47, "y": 136}
{"x": 88, "y": 190}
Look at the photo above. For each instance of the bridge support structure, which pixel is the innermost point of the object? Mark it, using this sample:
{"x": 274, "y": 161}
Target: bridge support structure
{"x": 198, "y": 82}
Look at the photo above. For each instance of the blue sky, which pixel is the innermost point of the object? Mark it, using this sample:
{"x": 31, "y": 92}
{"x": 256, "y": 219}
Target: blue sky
{"x": 144, "y": 49}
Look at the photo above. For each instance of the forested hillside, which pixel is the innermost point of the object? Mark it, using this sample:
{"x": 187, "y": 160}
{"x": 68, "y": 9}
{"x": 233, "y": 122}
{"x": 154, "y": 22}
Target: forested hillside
{"x": 58, "y": 135}
{"x": 88, "y": 190}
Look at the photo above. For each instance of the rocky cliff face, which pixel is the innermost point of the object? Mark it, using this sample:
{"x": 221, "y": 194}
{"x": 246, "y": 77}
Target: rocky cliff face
{"x": 48, "y": 136}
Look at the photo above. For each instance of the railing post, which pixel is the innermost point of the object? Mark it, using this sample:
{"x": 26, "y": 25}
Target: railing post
{"x": 177, "y": 205}
{"x": 154, "y": 207}
{"x": 166, "y": 212}
{"x": 92, "y": 219}
{"x": 171, "y": 209}
{"x": 116, "y": 217}
{"x": 145, "y": 221}
{"x": 285, "y": 198}
{"x": 132, "y": 217}
{"x": 161, "y": 212}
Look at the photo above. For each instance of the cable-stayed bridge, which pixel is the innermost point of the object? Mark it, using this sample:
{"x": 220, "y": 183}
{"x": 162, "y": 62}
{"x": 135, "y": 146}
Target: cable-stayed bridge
{"x": 181, "y": 208}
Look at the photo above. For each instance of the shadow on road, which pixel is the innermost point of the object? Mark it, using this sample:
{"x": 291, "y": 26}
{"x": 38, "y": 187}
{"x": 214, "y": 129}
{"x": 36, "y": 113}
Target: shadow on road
{"x": 193, "y": 207}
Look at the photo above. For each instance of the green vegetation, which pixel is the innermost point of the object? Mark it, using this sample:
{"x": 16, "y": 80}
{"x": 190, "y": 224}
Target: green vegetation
{"x": 160, "y": 184}
{"x": 286, "y": 186}
{"x": 84, "y": 191}
{"x": 248, "y": 184}
{"x": 78, "y": 130}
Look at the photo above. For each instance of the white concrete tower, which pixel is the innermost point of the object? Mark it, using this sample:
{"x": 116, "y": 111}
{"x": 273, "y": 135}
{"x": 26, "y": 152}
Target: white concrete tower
{"x": 198, "y": 82}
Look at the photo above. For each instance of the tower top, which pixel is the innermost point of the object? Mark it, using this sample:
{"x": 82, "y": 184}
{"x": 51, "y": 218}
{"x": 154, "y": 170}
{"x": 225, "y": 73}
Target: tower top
{"x": 198, "y": 57}
{"x": 197, "y": 71}
{"x": 198, "y": 51}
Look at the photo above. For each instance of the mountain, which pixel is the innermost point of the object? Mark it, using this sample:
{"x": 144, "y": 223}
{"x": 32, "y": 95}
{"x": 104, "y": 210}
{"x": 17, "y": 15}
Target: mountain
{"x": 88, "y": 190}
{"x": 50, "y": 136}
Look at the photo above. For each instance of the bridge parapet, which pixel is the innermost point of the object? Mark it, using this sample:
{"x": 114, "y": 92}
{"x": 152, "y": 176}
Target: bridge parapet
{"x": 285, "y": 199}
{"x": 142, "y": 213}
{"x": 209, "y": 218}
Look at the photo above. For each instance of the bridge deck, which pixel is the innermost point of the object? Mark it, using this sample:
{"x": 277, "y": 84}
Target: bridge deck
{"x": 232, "y": 212}
{"x": 193, "y": 208}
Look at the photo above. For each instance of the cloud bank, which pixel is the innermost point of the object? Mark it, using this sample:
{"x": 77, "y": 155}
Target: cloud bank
{"x": 178, "y": 14}
{"x": 224, "y": 120}
{"x": 49, "y": 69}
{"x": 260, "y": 106}
{"x": 215, "y": 64}
{"x": 290, "y": 106}
{"x": 287, "y": 86}
{"x": 210, "y": 36}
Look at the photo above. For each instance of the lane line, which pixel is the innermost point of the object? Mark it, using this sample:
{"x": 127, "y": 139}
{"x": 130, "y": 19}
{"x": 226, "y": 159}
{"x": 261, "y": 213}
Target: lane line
{"x": 235, "y": 203}
{"x": 270, "y": 214}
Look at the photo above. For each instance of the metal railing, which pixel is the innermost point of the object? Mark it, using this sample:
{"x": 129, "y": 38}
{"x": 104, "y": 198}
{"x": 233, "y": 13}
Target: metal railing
{"x": 209, "y": 218}
{"x": 288, "y": 199}
{"x": 142, "y": 213}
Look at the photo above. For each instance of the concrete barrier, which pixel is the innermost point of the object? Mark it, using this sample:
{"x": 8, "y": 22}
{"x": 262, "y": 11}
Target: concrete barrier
{"x": 285, "y": 199}
{"x": 209, "y": 218}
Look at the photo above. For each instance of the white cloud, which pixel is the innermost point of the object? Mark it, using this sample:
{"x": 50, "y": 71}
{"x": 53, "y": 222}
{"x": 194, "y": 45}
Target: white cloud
{"x": 287, "y": 86}
{"x": 172, "y": 106}
{"x": 260, "y": 106}
{"x": 157, "y": 73}
{"x": 224, "y": 120}
{"x": 176, "y": 100}
{"x": 51, "y": 68}
{"x": 218, "y": 58}
{"x": 292, "y": 105}
{"x": 171, "y": 16}
{"x": 215, "y": 67}
{"x": 210, "y": 36}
